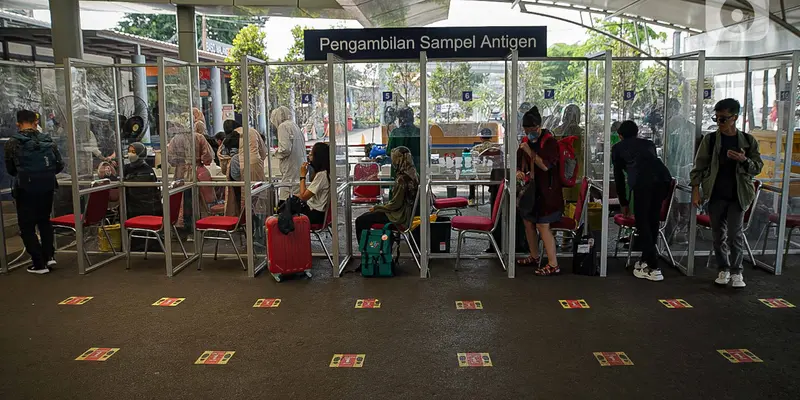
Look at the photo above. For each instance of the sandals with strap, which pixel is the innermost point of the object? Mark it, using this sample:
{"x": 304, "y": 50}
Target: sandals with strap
{"x": 529, "y": 261}
{"x": 548, "y": 270}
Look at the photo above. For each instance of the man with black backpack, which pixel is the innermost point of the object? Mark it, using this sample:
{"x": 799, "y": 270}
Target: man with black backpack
{"x": 33, "y": 160}
{"x": 725, "y": 165}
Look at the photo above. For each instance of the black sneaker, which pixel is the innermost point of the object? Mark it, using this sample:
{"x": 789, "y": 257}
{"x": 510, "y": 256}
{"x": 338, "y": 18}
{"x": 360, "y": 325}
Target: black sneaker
{"x": 38, "y": 270}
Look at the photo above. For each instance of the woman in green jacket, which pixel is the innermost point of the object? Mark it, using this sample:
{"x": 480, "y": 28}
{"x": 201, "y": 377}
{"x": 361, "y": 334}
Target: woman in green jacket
{"x": 399, "y": 209}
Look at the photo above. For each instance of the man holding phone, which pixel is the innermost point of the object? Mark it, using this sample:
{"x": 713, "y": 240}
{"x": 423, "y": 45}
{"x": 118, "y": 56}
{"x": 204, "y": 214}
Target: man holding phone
{"x": 725, "y": 166}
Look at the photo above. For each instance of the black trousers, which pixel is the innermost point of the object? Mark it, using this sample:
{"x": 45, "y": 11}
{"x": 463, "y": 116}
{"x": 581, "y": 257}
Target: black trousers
{"x": 314, "y": 217}
{"x": 366, "y": 220}
{"x": 647, "y": 201}
{"x": 33, "y": 211}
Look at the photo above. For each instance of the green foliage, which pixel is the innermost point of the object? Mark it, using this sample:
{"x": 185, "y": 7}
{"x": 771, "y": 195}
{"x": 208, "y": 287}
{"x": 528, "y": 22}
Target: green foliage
{"x": 163, "y": 27}
{"x": 447, "y": 83}
{"x": 403, "y": 80}
{"x": 250, "y": 41}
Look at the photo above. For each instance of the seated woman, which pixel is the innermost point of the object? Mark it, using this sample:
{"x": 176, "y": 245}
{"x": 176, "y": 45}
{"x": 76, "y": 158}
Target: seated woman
{"x": 400, "y": 208}
{"x": 141, "y": 200}
{"x": 317, "y": 196}
{"x": 541, "y": 154}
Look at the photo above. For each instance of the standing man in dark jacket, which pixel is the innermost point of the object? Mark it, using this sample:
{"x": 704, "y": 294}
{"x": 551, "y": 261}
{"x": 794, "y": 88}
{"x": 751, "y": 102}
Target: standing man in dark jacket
{"x": 649, "y": 179}
{"x": 725, "y": 165}
{"x": 33, "y": 160}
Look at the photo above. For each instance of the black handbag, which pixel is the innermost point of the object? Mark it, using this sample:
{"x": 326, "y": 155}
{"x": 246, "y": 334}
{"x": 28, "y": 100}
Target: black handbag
{"x": 526, "y": 200}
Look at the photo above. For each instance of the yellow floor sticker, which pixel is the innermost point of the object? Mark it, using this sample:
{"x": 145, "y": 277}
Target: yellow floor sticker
{"x": 347, "y": 360}
{"x": 267, "y": 303}
{"x": 738, "y": 356}
{"x": 776, "y": 303}
{"x": 474, "y": 360}
{"x": 215, "y": 357}
{"x": 612, "y": 358}
{"x": 581, "y": 303}
{"x": 675, "y": 303}
{"x": 75, "y": 300}
{"x": 469, "y": 305}
{"x": 98, "y": 354}
{"x": 368, "y": 303}
{"x": 169, "y": 301}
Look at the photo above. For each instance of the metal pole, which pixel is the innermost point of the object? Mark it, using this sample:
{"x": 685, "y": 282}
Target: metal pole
{"x": 748, "y": 101}
{"x": 334, "y": 206}
{"x": 245, "y": 148}
{"x": 424, "y": 226}
{"x": 606, "y": 161}
{"x": 511, "y": 156}
{"x": 164, "y": 144}
{"x": 698, "y": 126}
{"x": 787, "y": 163}
{"x": 119, "y": 151}
{"x": 73, "y": 165}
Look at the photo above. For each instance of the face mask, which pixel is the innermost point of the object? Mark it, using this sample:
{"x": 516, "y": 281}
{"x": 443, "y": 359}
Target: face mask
{"x": 133, "y": 157}
{"x": 532, "y": 137}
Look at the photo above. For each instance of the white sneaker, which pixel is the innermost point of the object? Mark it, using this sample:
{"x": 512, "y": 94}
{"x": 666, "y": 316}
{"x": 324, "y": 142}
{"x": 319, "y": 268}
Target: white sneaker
{"x": 51, "y": 263}
{"x": 38, "y": 271}
{"x": 639, "y": 265}
{"x": 738, "y": 280}
{"x": 723, "y": 278}
{"x": 651, "y": 274}
{"x": 638, "y": 270}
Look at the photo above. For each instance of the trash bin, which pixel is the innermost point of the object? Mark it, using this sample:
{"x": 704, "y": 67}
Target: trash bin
{"x": 452, "y": 191}
{"x": 440, "y": 235}
{"x": 116, "y": 239}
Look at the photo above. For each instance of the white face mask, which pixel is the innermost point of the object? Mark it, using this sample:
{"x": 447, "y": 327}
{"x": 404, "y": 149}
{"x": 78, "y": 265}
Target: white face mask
{"x": 133, "y": 157}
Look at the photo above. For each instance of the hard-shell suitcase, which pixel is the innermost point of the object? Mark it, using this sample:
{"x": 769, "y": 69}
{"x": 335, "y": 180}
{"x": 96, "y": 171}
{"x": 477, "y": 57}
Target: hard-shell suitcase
{"x": 289, "y": 254}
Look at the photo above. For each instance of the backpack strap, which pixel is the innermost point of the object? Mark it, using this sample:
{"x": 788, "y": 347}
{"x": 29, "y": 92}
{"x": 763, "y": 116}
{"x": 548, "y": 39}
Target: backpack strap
{"x": 712, "y": 140}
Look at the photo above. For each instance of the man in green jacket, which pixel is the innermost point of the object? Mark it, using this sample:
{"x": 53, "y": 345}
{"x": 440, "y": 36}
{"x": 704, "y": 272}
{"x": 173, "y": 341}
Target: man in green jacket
{"x": 725, "y": 165}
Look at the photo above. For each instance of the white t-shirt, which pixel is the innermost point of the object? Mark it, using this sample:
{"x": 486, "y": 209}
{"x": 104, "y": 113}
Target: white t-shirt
{"x": 322, "y": 192}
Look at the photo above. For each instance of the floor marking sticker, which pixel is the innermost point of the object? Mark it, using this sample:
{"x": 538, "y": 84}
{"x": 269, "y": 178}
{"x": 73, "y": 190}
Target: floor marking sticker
{"x": 347, "y": 360}
{"x": 214, "y": 357}
{"x": 267, "y": 303}
{"x": 774, "y": 303}
{"x": 98, "y": 354}
{"x": 75, "y": 300}
{"x": 612, "y": 358}
{"x": 675, "y": 303}
{"x": 474, "y": 360}
{"x": 469, "y": 305}
{"x": 368, "y": 303}
{"x": 581, "y": 303}
{"x": 169, "y": 301}
{"x": 738, "y": 356}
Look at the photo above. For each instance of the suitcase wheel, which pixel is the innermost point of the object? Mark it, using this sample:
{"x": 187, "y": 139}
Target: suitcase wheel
{"x": 277, "y": 277}
{"x": 308, "y": 274}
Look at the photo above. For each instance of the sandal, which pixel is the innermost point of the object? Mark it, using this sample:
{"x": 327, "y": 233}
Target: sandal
{"x": 548, "y": 270}
{"x": 529, "y": 260}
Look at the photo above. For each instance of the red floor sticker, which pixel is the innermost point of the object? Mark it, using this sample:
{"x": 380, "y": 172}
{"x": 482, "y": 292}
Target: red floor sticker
{"x": 469, "y": 305}
{"x": 347, "y": 361}
{"x": 738, "y": 356}
{"x": 675, "y": 303}
{"x": 574, "y": 303}
{"x": 98, "y": 354}
{"x": 612, "y": 358}
{"x": 368, "y": 303}
{"x": 76, "y": 300}
{"x": 214, "y": 357}
{"x": 474, "y": 360}
{"x": 776, "y": 303}
{"x": 169, "y": 301}
{"x": 267, "y": 303}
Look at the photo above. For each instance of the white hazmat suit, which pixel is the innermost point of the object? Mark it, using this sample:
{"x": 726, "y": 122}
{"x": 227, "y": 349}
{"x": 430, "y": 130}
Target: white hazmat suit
{"x": 291, "y": 151}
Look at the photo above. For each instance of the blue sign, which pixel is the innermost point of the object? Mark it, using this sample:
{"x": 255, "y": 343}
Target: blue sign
{"x": 549, "y": 94}
{"x": 629, "y": 95}
{"x": 438, "y": 43}
{"x": 306, "y": 98}
{"x": 785, "y": 94}
{"x": 706, "y": 94}
{"x": 466, "y": 95}
{"x": 387, "y": 96}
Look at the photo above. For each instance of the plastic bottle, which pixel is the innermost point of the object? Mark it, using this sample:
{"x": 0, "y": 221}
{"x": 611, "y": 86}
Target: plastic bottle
{"x": 466, "y": 160}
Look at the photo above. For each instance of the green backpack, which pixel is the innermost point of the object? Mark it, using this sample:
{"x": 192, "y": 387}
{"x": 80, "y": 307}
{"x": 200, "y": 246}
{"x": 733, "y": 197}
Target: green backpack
{"x": 376, "y": 252}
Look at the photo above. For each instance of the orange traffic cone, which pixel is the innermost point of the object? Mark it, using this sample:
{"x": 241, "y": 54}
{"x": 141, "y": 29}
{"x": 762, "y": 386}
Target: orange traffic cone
{"x": 363, "y": 139}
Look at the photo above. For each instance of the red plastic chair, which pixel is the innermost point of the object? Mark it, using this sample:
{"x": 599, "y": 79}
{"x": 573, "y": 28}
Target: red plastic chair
{"x": 454, "y": 204}
{"x": 317, "y": 229}
{"x": 366, "y": 194}
{"x": 570, "y": 225}
{"x": 704, "y": 222}
{"x": 480, "y": 225}
{"x": 223, "y": 227}
{"x": 94, "y": 215}
{"x": 630, "y": 222}
{"x": 150, "y": 226}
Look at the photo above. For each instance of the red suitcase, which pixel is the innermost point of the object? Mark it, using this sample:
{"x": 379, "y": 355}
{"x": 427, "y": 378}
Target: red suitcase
{"x": 289, "y": 254}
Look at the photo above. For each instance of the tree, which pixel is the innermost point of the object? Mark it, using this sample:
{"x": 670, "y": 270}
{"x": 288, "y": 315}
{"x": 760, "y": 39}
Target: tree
{"x": 448, "y": 82}
{"x": 250, "y": 41}
{"x": 404, "y": 81}
{"x": 164, "y": 27}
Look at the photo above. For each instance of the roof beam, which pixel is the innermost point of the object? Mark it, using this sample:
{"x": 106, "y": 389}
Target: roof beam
{"x": 624, "y": 8}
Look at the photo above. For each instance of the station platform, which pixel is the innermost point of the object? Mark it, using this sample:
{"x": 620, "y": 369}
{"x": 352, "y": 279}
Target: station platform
{"x": 538, "y": 349}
